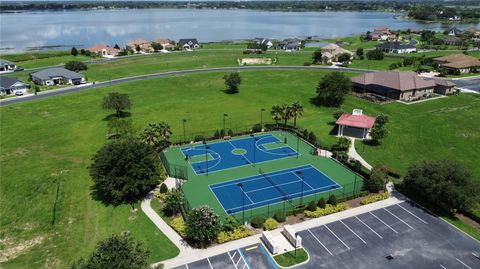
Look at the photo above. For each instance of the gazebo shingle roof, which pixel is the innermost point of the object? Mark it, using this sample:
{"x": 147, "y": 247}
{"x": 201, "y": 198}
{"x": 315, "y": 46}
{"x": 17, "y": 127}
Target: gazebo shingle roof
{"x": 359, "y": 121}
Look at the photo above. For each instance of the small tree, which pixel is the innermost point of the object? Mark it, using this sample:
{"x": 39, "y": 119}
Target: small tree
{"x": 378, "y": 132}
{"x": 279, "y": 216}
{"x": 376, "y": 181}
{"x": 230, "y": 224}
{"x": 74, "y": 51}
{"x": 116, "y": 46}
{"x": 312, "y": 138}
{"x": 257, "y": 222}
{"x": 75, "y": 66}
{"x": 116, "y": 101}
{"x": 332, "y": 88}
{"x": 344, "y": 58}
{"x": 382, "y": 119}
{"x": 312, "y": 206}
{"x": 82, "y": 52}
{"x": 202, "y": 225}
{"x": 322, "y": 203}
{"x": 124, "y": 171}
{"x": 117, "y": 251}
{"x": 163, "y": 188}
{"x": 36, "y": 89}
{"x": 317, "y": 57}
{"x": 173, "y": 202}
{"x": 342, "y": 145}
{"x": 332, "y": 200}
{"x": 375, "y": 55}
{"x": 359, "y": 53}
{"x": 232, "y": 81}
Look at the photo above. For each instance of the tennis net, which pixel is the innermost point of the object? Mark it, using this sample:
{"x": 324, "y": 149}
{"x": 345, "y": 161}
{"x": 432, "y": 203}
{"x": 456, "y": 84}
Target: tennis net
{"x": 285, "y": 195}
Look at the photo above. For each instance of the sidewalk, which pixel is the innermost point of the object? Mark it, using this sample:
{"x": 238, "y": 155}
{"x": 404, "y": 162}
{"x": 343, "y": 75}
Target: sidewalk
{"x": 188, "y": 254}
{"x": 352, "y": 153}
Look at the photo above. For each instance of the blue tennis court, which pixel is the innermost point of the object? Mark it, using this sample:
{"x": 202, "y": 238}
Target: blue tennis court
{"x": 274, "y": 187}
{"x": 217, "y": 156}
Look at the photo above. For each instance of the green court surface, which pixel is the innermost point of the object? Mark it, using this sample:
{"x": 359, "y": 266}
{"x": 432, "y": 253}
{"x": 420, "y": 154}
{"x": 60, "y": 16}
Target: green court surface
{"x": 200, "y": 158}
{"x": 197, "y": 187}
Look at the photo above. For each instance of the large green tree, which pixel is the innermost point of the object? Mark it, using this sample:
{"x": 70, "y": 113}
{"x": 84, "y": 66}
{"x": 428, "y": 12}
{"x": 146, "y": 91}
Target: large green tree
{"x": 124, "y": 171}
{"x": 444, "y": 183}
{"x": 75, "y": 66}
{"x": 202, "y": 225}
{"x": 117, "y": 101}
{"x": 376, "y": 181}
{"x": 331, "y": 89}
{"x": 117, "y": 251}
{"x": 317, "y": 57}
{"x": 232, "y": 81}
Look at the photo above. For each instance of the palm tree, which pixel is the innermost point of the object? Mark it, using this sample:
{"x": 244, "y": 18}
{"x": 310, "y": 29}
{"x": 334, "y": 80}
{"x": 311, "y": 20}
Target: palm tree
{"x": 164, "y": 130}
{"x": 296, "y": 110}
{"x": 286, "y": 113}
{"x": 276, "y": 113}
{"x": 150, "y": 134}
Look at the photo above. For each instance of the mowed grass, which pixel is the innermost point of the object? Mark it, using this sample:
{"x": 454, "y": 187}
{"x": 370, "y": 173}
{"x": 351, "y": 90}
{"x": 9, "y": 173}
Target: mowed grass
{"x": 52, "y": 140}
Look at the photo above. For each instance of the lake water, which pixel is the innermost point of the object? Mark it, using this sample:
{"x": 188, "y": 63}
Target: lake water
{"x": 21, "y": 31}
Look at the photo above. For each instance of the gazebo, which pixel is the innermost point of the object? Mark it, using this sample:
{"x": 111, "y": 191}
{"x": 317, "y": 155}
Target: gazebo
{"x": 355, "y": 125}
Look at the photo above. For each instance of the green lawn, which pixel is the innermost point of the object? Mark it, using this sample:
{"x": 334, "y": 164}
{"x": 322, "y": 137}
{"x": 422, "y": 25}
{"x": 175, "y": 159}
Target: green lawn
{"x": 52, "y": 140}
{"x": 291, "y": 258}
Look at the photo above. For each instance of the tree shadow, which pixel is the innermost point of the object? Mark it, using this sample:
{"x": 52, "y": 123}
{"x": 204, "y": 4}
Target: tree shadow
{"x": 227, "y": 91}
{"x": 112, "y": 116}
{"x": 334, "y": 130}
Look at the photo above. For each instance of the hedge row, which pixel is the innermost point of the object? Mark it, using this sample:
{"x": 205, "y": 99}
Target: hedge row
{"x": 329, "y": 209}
{"x": 238, "y": 233}
{"x": 178, "y": 224}
{"x": 375, "y": 198}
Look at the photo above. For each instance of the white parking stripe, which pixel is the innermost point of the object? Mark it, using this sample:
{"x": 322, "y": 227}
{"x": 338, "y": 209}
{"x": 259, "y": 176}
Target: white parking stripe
{"x": 408, "y": 211}
{"x": 443, "y": 266}
{"x": 336, "y": 236}
{"x": 239, "y": 259}
{"x": 186, "y": 265}
{"x": 209, "y": 263}
{"x": 318, "y": 240}
{"x": 383, "y": 222}
{"x": 463, "y": 264}
{"x": 353, "y": 232}
{"x": 399, "y": 219}
{"x": 368, "y": 227}
{"x": 231, "y": 258}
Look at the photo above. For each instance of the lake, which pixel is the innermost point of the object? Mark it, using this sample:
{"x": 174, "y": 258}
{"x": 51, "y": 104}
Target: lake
{"x": 57, "y": 29}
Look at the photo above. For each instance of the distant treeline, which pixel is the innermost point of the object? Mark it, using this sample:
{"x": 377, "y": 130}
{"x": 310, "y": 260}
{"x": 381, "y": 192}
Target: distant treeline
{"x": 422, "y": 10}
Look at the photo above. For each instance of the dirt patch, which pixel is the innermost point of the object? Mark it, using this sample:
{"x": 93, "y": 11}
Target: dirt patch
{"x": 468, "y": 221}
{"x": 12, "y": 249}
{"x": 250, "y": 61}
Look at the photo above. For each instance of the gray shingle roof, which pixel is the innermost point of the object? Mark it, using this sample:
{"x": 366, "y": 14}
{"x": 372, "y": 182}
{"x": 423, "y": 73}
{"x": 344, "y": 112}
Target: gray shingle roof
{"x": 7, "y": 82}
{"x": 184, "y": 41}
{"x": 5, "y": 62}
{"x": 49, "y": 73}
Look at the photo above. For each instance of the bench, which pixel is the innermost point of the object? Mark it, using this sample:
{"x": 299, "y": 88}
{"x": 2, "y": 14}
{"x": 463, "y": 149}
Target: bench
{"x": 289, "y": 233}
{"x": 269, "y": 242}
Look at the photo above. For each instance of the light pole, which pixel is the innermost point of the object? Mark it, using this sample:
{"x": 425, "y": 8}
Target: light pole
{"x": 261, "y": 118}
{"x": 206, "y": 154}
{"x": 299, "y": 173}
{"x": 240, "y": 185}
{"x": 184, "y": 137}
{"x": 224, "y": 117}
{"x": 296, "y": 235}
{"x": 254, "y": 139}
{"x": 298, "y": 144}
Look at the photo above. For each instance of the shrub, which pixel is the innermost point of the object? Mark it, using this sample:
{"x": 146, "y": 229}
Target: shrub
{"x": 375, "y": 198}
{"x": 163, "y": 188}
{"x": 329, "y": 209}
{"x": 321, "y": 203}
{"x": 280, "y": 216}
{"x": 173, "y": 202}
{"x": 216, "y": 134}
{"x": 75, "y": 66}
{"x": 270, "y": 224}
{"x": 375, "y": 55}
{"x": 178, "y": 224}
{"x": 202, "y": 225}
{"x": 230, "y": 132}
{"x": 305, "y": 134}
{"x": 257, "y": 222}
{"x": 239, "y": 232}
{"x": 337, "y": 114}
{"x": 312, "y": 137}
{"x": 198, "y": 138}
{"x": 376, "y": 181}
{"x": 307, "y": 63}
{"x": 332, "y": 200}
{"x": 312, "y": 206}
{"x": 230, "y": 224}
{"x": 257, "y": 128}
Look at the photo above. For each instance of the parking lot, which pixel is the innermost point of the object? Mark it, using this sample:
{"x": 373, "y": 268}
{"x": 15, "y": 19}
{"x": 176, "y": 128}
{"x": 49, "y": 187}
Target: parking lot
{"x": 398, "y": 236}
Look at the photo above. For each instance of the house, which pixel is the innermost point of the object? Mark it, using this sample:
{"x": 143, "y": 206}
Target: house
{"x": 396, "y": 85}
{"x": 330, "y": 53}
{"x": 165, "y": 42}
{"x": 7, "y": 66}
{"x": 458, "y": 63}
{"x": 56, "y": 76}
{"x": 396, "y": 47}
{"x": 141, "y": 46}
{"x": 290, "y": 44}
{"x": 355, "y": 125}
{"x": 263, "y": 42}
{"x": 104, "y": 51}
{"x": 188, "y": 43}
{"x": 10, "y": 86}
{"x": 444, "y": 86}
{"x": 381, "y": 33}
{"x": 453, "y": 31}
{"x": 452, "y": 40}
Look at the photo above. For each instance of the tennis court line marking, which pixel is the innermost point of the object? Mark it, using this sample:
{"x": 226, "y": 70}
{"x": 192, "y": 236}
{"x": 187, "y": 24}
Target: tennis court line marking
{"x": 337, "y": 237}
{"x": 399, "y": 219}
{"x": 209, "y": 263}
{"x": 256, "y": 177}
{"x": 464, "y": 264}
{"x": 383, "y": 222}
{"x": 408, "y": 211}
{"x": 353, "y": 232}
{"x": 318, "y": 240}
{"x": 221, "y": 140}
{"x": 295, "y": 153}
{"x": 279, "y": 197}
{"x": 246, "y": 194}
{"x": 368, "y": 227}
{"x": 288, "y": 183}
{"x": 303, "y": 180}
